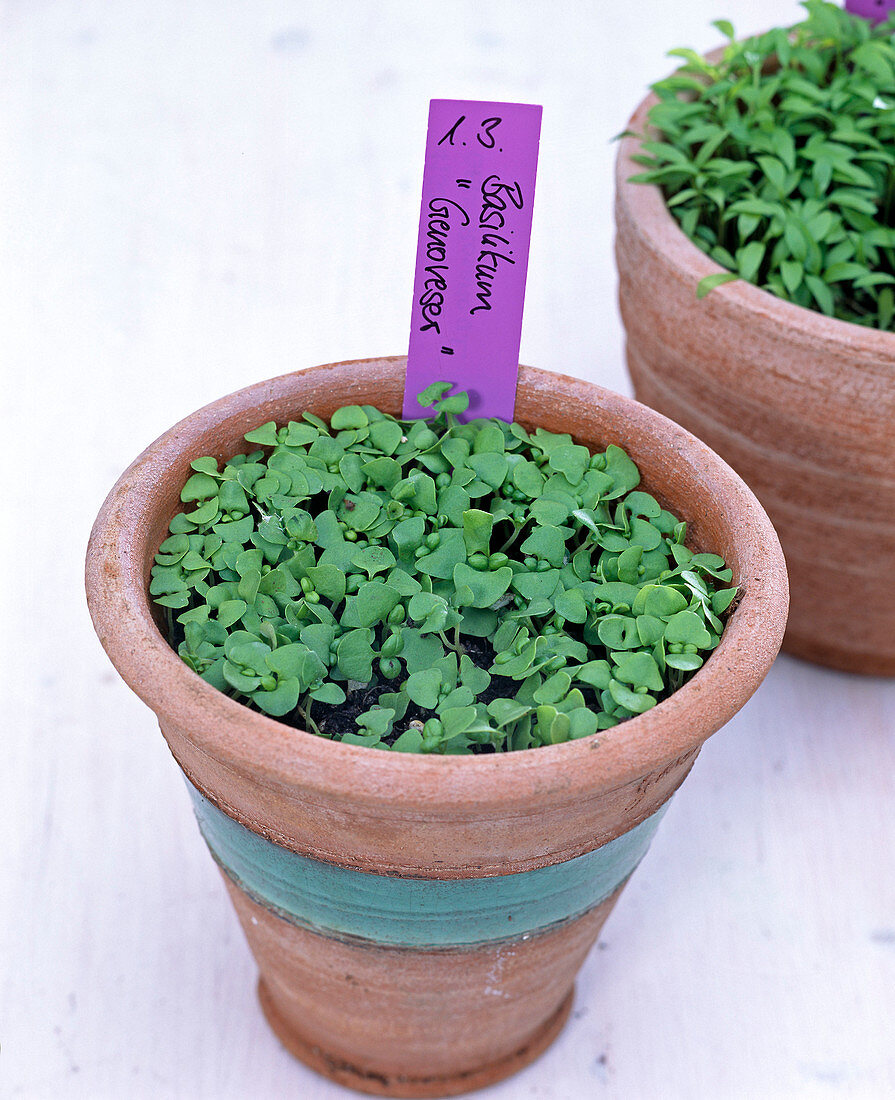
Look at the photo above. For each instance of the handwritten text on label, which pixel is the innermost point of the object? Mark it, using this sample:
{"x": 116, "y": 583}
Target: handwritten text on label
{"x": 472, "y": 252}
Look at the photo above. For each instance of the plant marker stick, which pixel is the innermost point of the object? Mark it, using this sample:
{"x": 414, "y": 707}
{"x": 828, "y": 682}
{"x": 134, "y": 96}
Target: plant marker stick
{"x": 472, "y": 252}
{"x": 875, "y": 10}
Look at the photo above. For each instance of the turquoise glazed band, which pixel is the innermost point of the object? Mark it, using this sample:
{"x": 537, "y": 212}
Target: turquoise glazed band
{"x": 415, "y": 912}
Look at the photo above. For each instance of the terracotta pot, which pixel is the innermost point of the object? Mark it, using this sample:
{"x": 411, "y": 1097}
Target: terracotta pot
{"x": 418, "y": 921}
{"x": 801, "y": 405}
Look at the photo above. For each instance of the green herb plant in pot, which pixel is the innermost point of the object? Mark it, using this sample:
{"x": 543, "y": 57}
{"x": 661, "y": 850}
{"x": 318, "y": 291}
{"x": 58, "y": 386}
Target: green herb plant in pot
{"x": 421, "y": 875}
{"x": 755, "y": 213}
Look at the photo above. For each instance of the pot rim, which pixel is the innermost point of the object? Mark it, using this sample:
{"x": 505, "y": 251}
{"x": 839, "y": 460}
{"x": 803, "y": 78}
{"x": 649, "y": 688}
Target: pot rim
{"x": 284, "y": 758}
{"x": 648, "y": 212}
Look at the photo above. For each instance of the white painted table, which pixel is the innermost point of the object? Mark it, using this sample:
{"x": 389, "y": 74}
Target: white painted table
{"x": 201, "y": 195}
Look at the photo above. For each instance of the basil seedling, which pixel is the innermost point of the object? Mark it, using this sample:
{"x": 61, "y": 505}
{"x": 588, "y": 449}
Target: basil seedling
{"x": 431, "y": 586}
{"x": 778, "y": 161}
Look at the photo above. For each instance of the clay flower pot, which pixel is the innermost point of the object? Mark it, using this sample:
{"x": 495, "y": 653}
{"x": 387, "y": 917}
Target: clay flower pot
{"x": 418, "y": 921}
{"x": 801, "y": 405}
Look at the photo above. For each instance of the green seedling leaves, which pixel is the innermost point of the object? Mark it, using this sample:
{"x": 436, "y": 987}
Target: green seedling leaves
{"x": 553, "y": 689}
{"x": 372, "y": 605}
{"x": 200, "y": 486}
{"x": 490, "y": 468}
{"x": 383, "y": 473}
{"x": 633, "y": 701}
{"x": 328, "y": 581}
{"x": 408, "y": 535}
{"x": 411, "y": 740}
{"x": 354, "y": 655}
{"x": 359, "y": 511}
{"x": 280, "y": 699}
{"x": 625, "y": 475}
{"x": 462, "y": 587}
{"x": 528, "y": 479}
{"x": 420, "y": 651}
{"x": 618, "y": 632}
{"x": 378, "y": 720}
{"x": 472, "y": 676}
{"x": 432, "y": 613}
{"x": 437, "y": 395}
{"x": 328, "y": 693}
{"x": 659, "y": 600}
{"x": 686, "y": 628}
{"x": 571, "y": 606}
{"x": 595, "y": 673}
{"x": 423, "y": 687}
{"x": 477, "y": 527}
{"x": 777, "y": 162}
{"x": 480, "y": 589}
{"x": 683, "y": 662}
{"x": 505, "y": 712}
{"x": 546, "y": 543}
{"x": 582, "y": 723}
{"x": 553, "y": 727}
{"x": 349, "y": 416}
{"x": 639, "y": 670}
{"x": 265, "y": 436}
{"x": 373, "y": 560}
{"x": 440, "y": 561}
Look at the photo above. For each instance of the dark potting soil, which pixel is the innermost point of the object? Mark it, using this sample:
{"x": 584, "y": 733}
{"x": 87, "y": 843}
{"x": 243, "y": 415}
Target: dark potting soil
{"x": 337, "y": 720}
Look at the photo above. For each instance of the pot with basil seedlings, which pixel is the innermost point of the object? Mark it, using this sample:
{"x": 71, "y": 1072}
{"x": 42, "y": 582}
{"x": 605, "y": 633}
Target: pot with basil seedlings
{"x": 432, "y": 684}
{"x": 755, "y": 213}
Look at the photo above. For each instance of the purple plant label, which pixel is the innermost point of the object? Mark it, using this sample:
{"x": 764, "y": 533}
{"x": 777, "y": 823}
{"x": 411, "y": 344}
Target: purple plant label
{"x": 472, "y": 253}
{"x": 877, "y": 10}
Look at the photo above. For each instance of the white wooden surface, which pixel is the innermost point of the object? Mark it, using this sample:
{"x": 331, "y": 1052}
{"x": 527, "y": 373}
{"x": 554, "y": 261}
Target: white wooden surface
{"x": 199, "y": 195}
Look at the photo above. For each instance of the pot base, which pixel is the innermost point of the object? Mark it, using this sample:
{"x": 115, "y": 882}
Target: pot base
{"x": 380, "y": 1084}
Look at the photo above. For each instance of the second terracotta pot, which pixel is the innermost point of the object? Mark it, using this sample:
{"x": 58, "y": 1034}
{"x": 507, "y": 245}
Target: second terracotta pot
{"x": 418, "y": 921}
{"x": 801, "y": 405}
